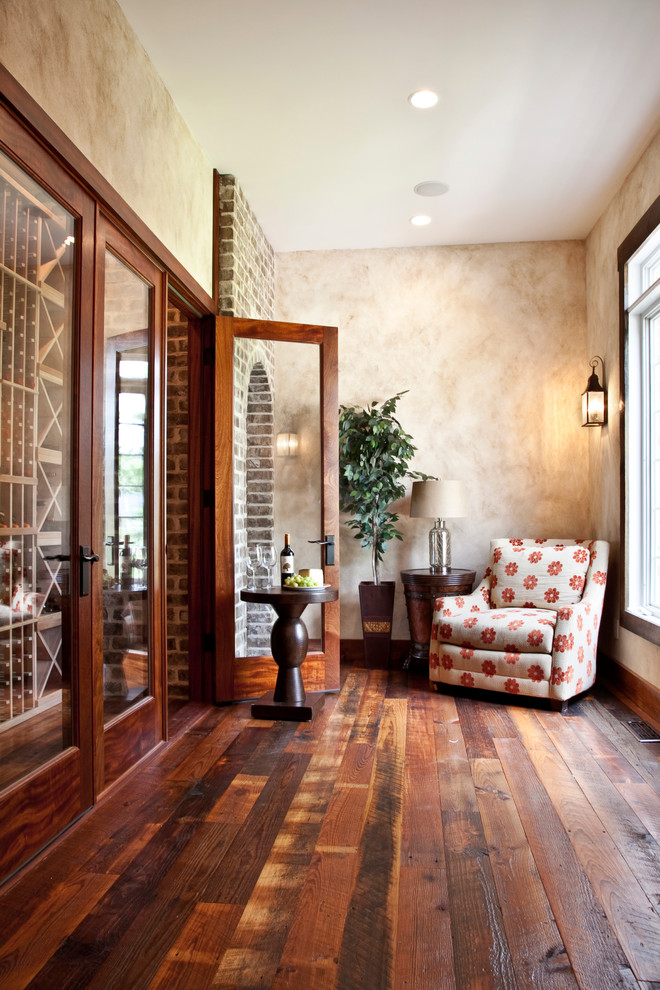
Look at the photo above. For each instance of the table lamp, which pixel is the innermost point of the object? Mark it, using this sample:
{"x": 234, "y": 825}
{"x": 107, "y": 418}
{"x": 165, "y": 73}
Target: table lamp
{"x": 438, "y": 500}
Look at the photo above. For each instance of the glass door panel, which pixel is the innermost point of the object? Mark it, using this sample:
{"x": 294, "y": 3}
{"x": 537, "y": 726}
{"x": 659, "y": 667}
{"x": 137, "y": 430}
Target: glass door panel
{"x": 37, "y": 281}
{"x": 126, "y": 414}
{"x": 277, "y": 475}
{"x": 284, "y": 384}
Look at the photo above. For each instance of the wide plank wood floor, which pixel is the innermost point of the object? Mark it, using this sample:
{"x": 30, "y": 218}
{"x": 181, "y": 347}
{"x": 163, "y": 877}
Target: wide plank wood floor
{"x": 403, "y": 839}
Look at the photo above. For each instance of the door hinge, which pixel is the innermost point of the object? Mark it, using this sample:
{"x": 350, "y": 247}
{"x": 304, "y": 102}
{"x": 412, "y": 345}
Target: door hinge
{"x": 208, "y": 642}
{"x": 207, "y": 499}
{"x": 209, "y": 356}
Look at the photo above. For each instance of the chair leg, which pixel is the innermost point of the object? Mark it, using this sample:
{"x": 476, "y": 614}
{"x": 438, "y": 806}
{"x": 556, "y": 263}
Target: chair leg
{"x": 559, "y": 706}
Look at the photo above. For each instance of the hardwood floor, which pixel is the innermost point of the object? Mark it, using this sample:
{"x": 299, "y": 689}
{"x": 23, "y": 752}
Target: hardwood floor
{"x": 402, "y": 839}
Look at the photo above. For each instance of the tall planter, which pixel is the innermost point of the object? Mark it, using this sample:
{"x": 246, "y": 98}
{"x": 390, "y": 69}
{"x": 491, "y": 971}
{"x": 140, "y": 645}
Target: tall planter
{"x": 376, "y": 610}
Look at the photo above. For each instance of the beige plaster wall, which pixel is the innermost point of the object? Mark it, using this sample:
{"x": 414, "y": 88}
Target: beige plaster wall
{"x": 84, "y": 65}
{"x": 490, "y": 341}
{"x": 637, "y": 193}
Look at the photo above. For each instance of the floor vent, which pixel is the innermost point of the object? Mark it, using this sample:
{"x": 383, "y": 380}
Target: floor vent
{"x": 643, "y": 731}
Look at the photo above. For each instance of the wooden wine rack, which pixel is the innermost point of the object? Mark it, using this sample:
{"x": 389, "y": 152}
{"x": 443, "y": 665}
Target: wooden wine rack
{"x": 33, "y": 361}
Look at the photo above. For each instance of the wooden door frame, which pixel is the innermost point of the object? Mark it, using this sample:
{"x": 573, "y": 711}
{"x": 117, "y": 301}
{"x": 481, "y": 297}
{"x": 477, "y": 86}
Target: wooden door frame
{"x": 321, "y": 670}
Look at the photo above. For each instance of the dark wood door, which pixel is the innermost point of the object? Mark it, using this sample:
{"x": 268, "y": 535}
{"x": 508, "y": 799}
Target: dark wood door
{"x": 296, "y": 367}
{"x": 129, "y": 652}
{"x": 46, "y": 293}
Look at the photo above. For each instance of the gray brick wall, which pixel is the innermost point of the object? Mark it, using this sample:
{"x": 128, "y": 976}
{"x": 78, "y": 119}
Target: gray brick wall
{"x": 177, "y": 505}
{"x": 246, "y": 261}
{"x": 246, "y": 289}
{"x": 246, "y": 266}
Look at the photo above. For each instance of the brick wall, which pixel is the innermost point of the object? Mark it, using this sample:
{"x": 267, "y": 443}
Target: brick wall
{"x": 246, "y": 262}
{"x": 177, "y": 505}
{"x": 246, "y": 266}
{"x": 246, "y": 289}
{"x": 253, "y": 481}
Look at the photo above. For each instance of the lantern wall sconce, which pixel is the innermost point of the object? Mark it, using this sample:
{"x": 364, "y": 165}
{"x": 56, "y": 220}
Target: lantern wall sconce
{"x": 594, "y": 397}
{"x": 286, "y": 444}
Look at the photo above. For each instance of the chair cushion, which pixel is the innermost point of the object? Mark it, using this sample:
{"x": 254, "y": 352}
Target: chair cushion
{"x": 527, "y": 631}
{"x": 537, "y": 574}
{"x": 484, "y": 667}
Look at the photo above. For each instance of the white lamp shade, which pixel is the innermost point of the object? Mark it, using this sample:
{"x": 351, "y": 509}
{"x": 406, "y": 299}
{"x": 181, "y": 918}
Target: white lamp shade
{"x": 437, "y": 499}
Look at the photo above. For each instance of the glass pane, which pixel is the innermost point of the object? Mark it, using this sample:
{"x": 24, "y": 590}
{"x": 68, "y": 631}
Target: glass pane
{"x": 125, "y": 565}
{"x": 277, "y": 485}
{"x": 37, "y": 279}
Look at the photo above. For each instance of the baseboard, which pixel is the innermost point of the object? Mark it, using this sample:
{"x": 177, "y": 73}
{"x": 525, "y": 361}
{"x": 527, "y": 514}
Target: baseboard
{"x": 352, "y": 651}
{"x": 633, "y": 690}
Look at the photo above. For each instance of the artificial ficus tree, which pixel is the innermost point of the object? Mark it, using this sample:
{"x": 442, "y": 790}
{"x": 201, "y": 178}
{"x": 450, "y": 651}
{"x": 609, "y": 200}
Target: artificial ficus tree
{"x": 374, "y": 457}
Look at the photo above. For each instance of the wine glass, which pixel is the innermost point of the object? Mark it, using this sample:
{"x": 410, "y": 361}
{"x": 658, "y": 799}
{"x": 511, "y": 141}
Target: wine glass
{"x": 252, "y": 563}
{"x": 268, "y": 560}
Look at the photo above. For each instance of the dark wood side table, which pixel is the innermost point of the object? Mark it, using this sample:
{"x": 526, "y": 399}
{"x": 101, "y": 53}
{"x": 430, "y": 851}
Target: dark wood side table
{"x": 421, "y": 588}
{"x": 288, "y": 644}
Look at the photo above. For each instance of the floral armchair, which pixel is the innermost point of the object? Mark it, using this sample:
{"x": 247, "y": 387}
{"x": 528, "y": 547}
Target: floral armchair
{"x": 530, "y": 627}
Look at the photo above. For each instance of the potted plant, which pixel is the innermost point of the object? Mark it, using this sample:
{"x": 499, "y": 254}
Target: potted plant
{"x": 374, "y": 457}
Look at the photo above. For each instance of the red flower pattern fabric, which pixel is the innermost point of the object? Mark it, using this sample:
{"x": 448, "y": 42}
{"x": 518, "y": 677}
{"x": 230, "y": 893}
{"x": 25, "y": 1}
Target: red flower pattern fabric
{"x": 530, "y": 646}
{"x": 551, "y": 574}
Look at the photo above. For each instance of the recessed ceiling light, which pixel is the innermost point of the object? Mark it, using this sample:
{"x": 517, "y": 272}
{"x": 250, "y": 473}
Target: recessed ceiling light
{"x": 423, "y": 99}
{"x": 431, "y": 188}
{"x": 420, "y": 221}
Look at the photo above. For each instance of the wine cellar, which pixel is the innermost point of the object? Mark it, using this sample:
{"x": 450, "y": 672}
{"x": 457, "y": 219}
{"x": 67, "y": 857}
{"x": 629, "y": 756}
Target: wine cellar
{"x": 36, "y": 255}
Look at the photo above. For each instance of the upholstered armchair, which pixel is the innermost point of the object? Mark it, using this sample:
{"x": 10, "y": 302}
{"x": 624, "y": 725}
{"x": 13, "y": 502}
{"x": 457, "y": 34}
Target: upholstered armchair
{"x": 530, "y": 627}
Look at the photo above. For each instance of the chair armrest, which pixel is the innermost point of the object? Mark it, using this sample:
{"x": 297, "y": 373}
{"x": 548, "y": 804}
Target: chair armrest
{"x": 575, "y": 641}
{"x": 477, "y": 601}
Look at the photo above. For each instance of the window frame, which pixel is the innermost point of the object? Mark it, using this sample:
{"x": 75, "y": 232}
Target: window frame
{"x": 645, "y": 626}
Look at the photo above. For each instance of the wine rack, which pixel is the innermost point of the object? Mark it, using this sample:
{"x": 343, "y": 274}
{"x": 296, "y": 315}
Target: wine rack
{"x": 34, "y": 333}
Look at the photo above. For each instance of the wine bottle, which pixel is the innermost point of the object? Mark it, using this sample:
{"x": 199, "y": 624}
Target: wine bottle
{"x": 287, "y": 560}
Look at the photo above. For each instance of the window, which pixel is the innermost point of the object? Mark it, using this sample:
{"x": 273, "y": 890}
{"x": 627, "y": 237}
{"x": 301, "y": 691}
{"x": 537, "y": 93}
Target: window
{"x": 641, "y": 440}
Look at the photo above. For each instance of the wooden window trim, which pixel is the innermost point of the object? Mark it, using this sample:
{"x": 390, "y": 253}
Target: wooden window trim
{"x": 643, "y": 228}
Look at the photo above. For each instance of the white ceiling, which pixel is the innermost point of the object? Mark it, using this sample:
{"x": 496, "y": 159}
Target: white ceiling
{"x": 545, "y": 105}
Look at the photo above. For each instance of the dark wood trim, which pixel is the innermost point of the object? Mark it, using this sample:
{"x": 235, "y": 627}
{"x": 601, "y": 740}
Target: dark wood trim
{"x": 639, "y": 626}
{"x": 640, "y": 695}
{"x": 623, "y": 392}
{"x": 128, "y": 738}
{"x": 329, "y": 398}
{"x": 209, "y": 362}
{"x": 223, "y": 558}
{"x": 34, "y": 810}
{"x": 216, "y": 240}
{"x": 47, "y": 133}
{"x": 642, "y": 229}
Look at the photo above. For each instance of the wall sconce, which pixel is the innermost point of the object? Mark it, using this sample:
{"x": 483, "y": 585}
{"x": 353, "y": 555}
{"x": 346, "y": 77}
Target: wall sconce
{"x": 438, "y": 500}
{"x": 594, "y": 397}
{"x": 286, "y": 444}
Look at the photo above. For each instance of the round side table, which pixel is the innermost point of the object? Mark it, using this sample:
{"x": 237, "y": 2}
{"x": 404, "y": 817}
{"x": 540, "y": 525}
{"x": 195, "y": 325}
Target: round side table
{"x": 288, "y": 644}
{"x": 421, "y": 588}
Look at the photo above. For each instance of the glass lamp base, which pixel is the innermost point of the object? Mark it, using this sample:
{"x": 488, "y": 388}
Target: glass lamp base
{"x": 439, "y": 547}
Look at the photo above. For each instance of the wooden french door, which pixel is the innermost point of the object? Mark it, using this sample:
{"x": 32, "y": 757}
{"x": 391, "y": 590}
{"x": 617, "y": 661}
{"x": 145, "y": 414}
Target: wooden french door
{"x": 129, "y": 652}
{"x": 46, "y": 293}
{"x": 82, "y": 555}
{"x": 273, "y": 379}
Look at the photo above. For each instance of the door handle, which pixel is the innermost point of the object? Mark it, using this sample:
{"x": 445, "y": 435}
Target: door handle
{"x": 87, "y": 558}
{"x": 329, "y": 544}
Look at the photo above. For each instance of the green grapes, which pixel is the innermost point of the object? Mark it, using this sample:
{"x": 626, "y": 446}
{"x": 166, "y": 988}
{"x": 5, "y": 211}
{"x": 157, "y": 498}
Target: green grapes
{"x": 297, "y": 581}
